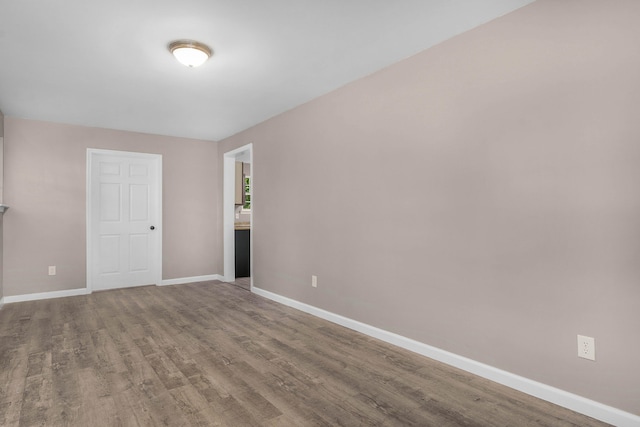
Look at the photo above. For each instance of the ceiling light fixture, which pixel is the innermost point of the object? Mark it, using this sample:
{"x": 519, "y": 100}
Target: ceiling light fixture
{"x": 190, "y": 53}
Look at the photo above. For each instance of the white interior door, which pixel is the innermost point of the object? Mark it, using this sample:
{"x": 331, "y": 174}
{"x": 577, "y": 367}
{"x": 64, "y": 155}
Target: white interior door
{"x": 124, "y": 219}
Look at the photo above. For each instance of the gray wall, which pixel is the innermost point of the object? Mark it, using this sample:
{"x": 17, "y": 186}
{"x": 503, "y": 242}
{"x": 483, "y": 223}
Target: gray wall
{"x": 1, "y": 256}
{"x": 481, "y": 197}
{"x": 45, "y": 177}
{"x": 1, "y": 156}
{"x": 1, "y": 187}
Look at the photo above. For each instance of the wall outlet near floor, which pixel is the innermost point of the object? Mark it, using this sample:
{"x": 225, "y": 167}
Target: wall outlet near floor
{"x": 52, "y": 270}
{"x": 314, "y": 281}
{"x": 586, "y": 347}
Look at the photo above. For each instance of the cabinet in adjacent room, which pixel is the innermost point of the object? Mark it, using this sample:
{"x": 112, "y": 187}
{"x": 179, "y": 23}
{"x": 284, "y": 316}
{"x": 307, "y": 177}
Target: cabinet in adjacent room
{"x": 239, "y": 184}
{"x": 243, "y": 253}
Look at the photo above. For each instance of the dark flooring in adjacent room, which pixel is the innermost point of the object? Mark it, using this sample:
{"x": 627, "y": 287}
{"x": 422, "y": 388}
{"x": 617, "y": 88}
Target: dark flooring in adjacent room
{"x": 213, "y": 354}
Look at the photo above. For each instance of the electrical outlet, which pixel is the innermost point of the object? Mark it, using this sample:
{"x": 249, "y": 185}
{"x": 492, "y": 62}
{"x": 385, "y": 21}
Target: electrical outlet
{"x": 52, "y": 270}
{"x": 314, "y": 281}
{"x": 586, "y": 347}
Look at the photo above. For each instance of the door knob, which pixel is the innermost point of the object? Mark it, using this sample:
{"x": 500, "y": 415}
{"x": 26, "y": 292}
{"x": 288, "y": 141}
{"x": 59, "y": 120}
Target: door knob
{"x": 152, "y": 227}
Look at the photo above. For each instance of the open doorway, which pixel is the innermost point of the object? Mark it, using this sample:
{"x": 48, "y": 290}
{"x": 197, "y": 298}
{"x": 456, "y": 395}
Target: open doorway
{"x": 237, "y": 216}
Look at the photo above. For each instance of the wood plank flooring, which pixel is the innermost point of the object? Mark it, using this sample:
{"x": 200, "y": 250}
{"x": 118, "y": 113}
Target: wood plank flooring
{"x": 242, "y": 282}
{"x": 213, "y": 354}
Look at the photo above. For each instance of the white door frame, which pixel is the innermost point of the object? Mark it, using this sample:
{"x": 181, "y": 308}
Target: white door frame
{"x": 228, "y": 206}
{"x": 91, "y": 154}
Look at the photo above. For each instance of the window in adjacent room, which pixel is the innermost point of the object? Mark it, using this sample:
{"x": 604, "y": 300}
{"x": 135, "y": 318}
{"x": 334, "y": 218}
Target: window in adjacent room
{"x": 247, "y": 194}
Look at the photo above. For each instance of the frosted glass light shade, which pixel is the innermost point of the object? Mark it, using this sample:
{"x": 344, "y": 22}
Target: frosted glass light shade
{"x": 190, "y": 53}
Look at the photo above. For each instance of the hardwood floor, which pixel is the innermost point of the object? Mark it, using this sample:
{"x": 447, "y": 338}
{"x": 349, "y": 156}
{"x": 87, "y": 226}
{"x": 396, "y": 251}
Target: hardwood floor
{"x": 212, "y": 354}
{"x": 242, "y": 282}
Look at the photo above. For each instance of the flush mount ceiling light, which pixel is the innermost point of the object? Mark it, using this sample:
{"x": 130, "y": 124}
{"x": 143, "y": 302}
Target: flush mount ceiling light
{"x": 189, "y": 52}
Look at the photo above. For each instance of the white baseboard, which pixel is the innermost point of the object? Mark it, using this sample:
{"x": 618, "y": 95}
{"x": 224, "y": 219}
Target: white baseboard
{"x": 183, "y": 280}
{"x": 554, "y": 395}
{"x": 85, "y": 291}
{"x": 46, "y": 295}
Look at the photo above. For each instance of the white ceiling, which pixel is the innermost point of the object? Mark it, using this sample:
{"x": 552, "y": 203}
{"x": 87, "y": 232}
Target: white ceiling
{"x": 106, "y": 63}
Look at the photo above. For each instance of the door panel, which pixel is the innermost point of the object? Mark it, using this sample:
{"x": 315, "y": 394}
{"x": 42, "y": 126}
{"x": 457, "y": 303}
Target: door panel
{"x": 139, "y": 250}
{"x": 110, "y": 202}
{"x": 109, "y": 253}
{"x": 139, "y": 202}
{"x": 124, "y": 215}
